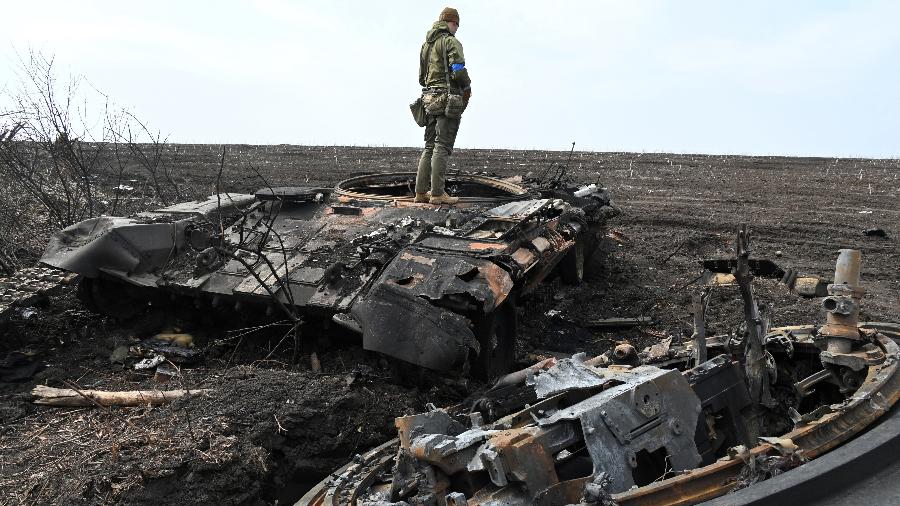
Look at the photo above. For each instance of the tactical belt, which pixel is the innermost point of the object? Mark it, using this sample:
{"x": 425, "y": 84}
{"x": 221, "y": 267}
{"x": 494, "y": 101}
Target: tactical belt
{"x": 440, "y": 90}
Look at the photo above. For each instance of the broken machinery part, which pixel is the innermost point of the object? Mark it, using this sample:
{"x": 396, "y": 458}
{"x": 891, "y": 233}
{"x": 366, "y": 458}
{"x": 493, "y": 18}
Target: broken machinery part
{"x": 573, "y": 431}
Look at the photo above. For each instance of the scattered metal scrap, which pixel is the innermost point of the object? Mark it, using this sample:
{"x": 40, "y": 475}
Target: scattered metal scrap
{"x": 430, "y": 285}
{"x": 584, "y": 431}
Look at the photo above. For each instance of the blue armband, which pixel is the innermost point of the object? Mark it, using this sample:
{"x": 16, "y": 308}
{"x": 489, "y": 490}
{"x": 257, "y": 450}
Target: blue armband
{"x": 456, "y": 67}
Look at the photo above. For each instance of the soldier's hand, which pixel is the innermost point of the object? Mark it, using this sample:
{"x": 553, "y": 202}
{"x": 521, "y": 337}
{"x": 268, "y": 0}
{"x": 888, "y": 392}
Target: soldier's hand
{"x": 467, "y": 94}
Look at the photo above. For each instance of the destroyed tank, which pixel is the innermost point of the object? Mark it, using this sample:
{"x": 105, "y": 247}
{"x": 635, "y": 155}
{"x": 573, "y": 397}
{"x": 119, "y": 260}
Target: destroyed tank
{"x": 430, "y": 285}
{"x": 670, "y": 428}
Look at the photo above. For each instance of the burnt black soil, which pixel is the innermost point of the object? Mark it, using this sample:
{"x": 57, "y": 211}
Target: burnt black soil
{"x": 271, "y": 426}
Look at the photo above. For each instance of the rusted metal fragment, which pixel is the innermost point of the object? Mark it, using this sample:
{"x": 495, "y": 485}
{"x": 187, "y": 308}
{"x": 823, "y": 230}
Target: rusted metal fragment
{"x": 450, "y": 280}
{"x": 498, "y": 280}
{"x": 403, "y": 326}
{"x": 879, "y": 392}
{"x": 527, "y": 456}
{"x": 811, "y": 286}
{"x": 524, "y": 257}
{"x": 406, "y": 255}
{"x": 532, "y": 437}
{"x": 463, "y": 245}
{"x": 485, "y": 246}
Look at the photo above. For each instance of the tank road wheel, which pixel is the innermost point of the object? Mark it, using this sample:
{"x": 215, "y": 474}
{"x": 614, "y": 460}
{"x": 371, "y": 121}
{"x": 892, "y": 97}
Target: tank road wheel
{"x": 571, "y": 267}
{"x": 110, "y": 298}
{"x": 496, "y": 334}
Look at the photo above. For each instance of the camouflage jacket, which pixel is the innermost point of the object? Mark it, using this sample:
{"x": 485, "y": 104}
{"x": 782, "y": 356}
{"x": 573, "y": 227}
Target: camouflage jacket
{"x": 446, "y": 53}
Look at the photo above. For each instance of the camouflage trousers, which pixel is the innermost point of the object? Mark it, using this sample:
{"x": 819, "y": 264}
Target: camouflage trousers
{"x": 440, "y": 134}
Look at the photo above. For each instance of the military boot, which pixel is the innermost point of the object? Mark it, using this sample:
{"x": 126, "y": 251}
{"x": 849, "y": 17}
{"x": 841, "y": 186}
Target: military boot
{"x": 443, "y": 199}
{"x": 423, "y": 198}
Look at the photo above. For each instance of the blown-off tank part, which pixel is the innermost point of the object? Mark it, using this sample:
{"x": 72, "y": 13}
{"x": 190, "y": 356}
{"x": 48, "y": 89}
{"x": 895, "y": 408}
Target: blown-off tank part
{"x": 842, "y": 303}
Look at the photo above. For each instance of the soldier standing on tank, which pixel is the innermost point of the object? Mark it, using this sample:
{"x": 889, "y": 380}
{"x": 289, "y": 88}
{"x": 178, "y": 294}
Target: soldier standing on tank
{"x": 446, "y": 89}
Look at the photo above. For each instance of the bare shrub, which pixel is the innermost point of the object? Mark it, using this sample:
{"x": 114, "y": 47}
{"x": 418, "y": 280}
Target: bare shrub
{"x": 68, "y": 154}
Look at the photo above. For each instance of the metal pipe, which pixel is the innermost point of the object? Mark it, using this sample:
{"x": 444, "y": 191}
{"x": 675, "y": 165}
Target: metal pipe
{"x": 842, "y": 303}
{"x": 846, "y": 269}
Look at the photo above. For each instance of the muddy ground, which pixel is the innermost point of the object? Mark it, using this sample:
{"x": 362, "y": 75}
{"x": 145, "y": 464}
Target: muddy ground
{"x": 272, "y": 427}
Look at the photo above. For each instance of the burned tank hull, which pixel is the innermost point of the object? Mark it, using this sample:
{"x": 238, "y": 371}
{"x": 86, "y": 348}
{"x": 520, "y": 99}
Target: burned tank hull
{"x": 429, "y": 285}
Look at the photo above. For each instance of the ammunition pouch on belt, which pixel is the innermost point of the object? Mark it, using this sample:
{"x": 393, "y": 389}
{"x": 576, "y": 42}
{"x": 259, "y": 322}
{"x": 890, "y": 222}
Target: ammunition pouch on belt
{"x": 435, "y": 101}
{"x": 455, "y": 105}
{"x": 438, "y": 101}
{"x": 417, "y": 109}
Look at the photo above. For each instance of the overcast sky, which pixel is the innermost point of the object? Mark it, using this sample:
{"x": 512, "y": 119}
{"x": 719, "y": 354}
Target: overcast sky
{"x": 763, "y": 77}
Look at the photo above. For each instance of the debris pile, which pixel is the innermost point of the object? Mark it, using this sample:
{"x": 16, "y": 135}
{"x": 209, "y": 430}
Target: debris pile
{"x": 593, "y": 431}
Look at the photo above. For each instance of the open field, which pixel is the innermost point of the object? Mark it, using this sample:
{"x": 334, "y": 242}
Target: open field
{"x": 270, "y": 428}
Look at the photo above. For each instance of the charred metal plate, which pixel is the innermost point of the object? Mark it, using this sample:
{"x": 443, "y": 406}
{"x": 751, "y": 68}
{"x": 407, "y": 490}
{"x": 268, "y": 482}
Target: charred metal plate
{"x": 459, "y": 244}
{"x": 339, "y": 294}
{"x": 222, "y": 283}
{"x": 653, "y": 411}
{"x": 411, "y": 329}
{"x": 309, "y": 275}
{"x": 269, "y": 279}
{"x": 437, "y": 277}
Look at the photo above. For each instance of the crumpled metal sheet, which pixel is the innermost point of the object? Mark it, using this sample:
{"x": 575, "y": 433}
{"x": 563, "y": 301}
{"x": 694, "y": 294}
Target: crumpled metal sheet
{"x": 403, "y": 326}
{"x": 434, "y": 277}
{"x": 651, "y": 409}
{"x": 119, "y": 244}
{"x": 568, "y": 374}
